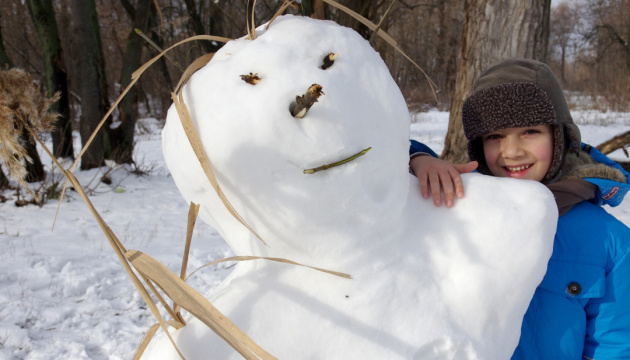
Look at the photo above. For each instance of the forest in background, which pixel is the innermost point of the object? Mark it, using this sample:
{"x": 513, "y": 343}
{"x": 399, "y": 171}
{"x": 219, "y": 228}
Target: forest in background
{"x": 588, "y": 48}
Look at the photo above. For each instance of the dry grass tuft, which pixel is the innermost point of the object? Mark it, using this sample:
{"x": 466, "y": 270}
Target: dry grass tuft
{"x": 22, "y": 104}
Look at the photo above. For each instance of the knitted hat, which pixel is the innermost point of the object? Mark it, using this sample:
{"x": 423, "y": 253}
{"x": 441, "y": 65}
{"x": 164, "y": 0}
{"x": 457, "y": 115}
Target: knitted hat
{"x": 518, "y": 93}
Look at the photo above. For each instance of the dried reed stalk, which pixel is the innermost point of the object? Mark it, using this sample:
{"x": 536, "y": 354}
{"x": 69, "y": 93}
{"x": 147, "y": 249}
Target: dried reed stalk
{"x": 251, "y": 23}
{"x": 195, "y": 142}
{"x": 118, "y": 247}
{"x": 284, "y": 6}
{"x": 378, "y": 27}
{"x": 152, "y": 271}
{"x": 280, "y": 260}
{"x": 196, "y": 305}
{"x": 193, "y": 212}
{"x": 134, "y": 78}
{"x": 148, "y": 336}
{"x": 157, "y": 7}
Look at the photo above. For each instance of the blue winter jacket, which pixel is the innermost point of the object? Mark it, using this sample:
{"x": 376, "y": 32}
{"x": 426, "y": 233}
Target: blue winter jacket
{"x": 581, "y": 309}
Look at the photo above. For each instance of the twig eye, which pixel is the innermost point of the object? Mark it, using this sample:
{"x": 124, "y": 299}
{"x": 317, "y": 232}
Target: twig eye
{"x": 329, "y": 60}
{"x": 252, "y": 79}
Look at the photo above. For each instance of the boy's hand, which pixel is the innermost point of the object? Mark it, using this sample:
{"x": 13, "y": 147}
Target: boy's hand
{"x": 435, "y": 174}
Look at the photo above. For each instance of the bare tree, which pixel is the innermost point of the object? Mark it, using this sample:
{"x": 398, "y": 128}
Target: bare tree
{"x": 493, "y": 30}
{"x": 609, "y": 36}
{"x": 122, "y": 137}
{"x": 198, "y": 26}
{"x": 93, "y": 86}
{"x": 563, "y": 30}
{"x": 5, "y": 61}
{"x": 43, "y": 16}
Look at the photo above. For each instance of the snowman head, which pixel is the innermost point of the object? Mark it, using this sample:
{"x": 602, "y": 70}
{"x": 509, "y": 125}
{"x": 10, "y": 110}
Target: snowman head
{"x": 241, "y": 103}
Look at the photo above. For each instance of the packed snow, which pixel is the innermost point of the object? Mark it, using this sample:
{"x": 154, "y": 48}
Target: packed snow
{"x": 426, "y": 282}
{"x": 64, "y": 294}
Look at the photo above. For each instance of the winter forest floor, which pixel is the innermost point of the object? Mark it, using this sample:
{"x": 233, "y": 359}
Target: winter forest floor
{"x": 64, "y": 294}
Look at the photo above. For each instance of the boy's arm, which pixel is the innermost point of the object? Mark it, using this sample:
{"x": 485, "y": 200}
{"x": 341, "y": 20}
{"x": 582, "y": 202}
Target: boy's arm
{"x": 435, "y": 175}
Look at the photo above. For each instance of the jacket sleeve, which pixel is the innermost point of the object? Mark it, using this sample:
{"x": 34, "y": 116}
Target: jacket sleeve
{"x": 608, "y": 318}
{"x": 419, "y": 148}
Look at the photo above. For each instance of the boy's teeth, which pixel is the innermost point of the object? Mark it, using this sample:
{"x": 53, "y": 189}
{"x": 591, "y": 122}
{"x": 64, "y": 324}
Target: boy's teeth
{"x": 518, "y": 168}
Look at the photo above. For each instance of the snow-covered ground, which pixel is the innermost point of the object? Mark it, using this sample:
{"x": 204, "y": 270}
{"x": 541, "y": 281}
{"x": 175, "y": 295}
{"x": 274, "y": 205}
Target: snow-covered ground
{"x": 63, "y": 293}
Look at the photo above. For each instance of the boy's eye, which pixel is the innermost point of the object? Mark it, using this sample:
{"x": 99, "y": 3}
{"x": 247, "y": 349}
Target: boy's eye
{"x": 532, "y": 131}
{"x": 492, "y": 137}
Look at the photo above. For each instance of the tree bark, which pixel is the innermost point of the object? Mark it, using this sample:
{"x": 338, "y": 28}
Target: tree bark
{"x": 493, "y": 30}
{"x": 92, "y": 85}
{"x": 43, "y": 16}
{"x": 34, "y": 168}
{"x": 313, "y": 8}
{"x": 319, "y": 10}
{"x": 4, "y": 181}
{"x": 198, "y": 27}
{"x": 5, "y": 61}
{"x": 122, "y": 137}
{"x": 162, "y": 68}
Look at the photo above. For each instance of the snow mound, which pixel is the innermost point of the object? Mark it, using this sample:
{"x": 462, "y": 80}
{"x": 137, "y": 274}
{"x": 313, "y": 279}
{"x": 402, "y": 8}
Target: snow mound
{"x": 427, "y": 283}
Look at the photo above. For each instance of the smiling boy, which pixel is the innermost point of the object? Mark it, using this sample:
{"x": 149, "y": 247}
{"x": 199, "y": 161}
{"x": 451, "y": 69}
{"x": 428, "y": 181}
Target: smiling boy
{"x": 518, "y": 125}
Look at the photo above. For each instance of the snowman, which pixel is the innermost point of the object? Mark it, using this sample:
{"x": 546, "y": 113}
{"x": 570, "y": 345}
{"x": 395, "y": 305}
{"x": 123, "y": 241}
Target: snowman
{"x": 426, "y": 282}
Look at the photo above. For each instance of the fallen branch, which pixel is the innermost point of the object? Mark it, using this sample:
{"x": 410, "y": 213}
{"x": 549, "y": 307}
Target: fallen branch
{"x": 618, "y": 142}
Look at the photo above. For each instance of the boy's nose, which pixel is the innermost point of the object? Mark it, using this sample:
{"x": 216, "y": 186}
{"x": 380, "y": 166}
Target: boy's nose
{"x": 510, "y": 147}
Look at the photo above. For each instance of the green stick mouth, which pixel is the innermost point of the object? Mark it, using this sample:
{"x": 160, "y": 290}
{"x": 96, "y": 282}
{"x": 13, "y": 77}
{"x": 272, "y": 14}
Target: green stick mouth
{"x": 344, "y": 161}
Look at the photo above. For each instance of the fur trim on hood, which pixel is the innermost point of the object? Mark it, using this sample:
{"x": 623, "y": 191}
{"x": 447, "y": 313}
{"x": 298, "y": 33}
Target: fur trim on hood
{"x": 583, "y": 166}
{"x": 570, "y": 188}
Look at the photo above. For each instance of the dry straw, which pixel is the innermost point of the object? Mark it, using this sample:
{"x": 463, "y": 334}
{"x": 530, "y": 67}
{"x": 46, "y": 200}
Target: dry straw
{"x": 153, "y": 273}
{"x": 22, "y": 104}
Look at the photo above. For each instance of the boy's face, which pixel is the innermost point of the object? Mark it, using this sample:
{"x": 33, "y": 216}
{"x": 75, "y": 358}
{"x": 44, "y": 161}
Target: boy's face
{"x": 520, "y": 153}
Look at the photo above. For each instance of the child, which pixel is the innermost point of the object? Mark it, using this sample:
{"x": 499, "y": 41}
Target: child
{"x": 518, "y": 125}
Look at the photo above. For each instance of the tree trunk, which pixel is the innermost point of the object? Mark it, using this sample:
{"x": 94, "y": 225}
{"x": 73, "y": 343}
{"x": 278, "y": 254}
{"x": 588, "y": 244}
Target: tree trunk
{"x": 4, "y": 181}
{"x": 541, "y": 14}
{"x": 5, "y": 61}
{"x": 198, "y": 27}
{"x": 35, "y": 168}
{"x": 493, "y": 30}
{"x": 92, "y": 85}
{"x": 122, "y": 137}
{"x": 319, "y": 10}
{"x": 161, "y": 67}
{"x": 313, "y": 8}
{"x": 43, "y": 16}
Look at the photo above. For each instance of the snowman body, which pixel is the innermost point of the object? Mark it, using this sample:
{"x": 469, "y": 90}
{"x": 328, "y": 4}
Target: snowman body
{"x": 427, "y": 283}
